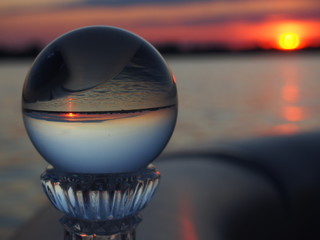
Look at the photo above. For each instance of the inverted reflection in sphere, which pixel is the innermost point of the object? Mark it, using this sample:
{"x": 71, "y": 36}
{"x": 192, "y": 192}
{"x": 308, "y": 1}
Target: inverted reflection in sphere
{"x": 99, "y": 100}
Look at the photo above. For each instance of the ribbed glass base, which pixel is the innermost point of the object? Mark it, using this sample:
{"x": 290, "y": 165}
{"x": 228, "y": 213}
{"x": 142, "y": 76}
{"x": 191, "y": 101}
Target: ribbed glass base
{"x": 123, "y": 229}
{"x": 100, "y": 196}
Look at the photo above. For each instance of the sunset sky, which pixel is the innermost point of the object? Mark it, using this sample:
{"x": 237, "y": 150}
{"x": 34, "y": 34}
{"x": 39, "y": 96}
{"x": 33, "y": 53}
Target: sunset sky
{"x": 236, "y": 24}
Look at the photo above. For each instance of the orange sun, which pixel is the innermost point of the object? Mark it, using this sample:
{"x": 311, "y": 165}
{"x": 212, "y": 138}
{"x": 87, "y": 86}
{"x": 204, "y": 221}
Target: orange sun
{"x": 70, "y": 114}
{"x": 289, "y": 41}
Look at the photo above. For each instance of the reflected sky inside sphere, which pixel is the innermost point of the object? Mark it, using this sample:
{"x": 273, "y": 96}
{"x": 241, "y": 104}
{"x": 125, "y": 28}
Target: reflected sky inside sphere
{"x": 101, "y": 143}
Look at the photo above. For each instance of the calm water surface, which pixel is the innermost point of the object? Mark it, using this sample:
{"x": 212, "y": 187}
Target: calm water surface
{"x": 220, "y": 98}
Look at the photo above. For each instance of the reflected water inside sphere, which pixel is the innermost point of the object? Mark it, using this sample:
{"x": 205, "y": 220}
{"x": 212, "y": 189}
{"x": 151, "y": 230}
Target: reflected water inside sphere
{"x": 98, "y": 69}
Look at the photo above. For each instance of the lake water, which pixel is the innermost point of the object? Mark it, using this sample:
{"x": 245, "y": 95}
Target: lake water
{"x": 220, "y": 98}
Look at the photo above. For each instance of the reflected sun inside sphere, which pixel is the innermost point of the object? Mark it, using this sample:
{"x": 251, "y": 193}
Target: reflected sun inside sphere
{"x": 289, "y": 41}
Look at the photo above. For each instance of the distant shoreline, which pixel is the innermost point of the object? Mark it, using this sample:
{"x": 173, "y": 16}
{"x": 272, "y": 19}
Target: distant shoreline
{"x": 167, "y": 49}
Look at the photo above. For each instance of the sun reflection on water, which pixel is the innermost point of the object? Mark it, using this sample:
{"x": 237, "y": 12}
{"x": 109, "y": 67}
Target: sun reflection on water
{"x": 291, "y": 111}
{"x": 188, "y": 229}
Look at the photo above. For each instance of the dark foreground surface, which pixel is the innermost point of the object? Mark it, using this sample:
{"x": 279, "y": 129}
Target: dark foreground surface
{"x": 262, "y": 189}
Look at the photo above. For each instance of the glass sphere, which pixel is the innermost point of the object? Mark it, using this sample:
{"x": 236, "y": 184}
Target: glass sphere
{"x": 99, "y": 100}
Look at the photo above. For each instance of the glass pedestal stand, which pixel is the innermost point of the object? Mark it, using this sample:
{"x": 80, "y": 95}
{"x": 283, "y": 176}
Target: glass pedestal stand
{"x": 100, "y": 206}
{"x": 123, "y": 229}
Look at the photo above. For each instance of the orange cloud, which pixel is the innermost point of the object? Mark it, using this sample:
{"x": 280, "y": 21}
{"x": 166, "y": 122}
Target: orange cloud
{"x": 200, "y": 22}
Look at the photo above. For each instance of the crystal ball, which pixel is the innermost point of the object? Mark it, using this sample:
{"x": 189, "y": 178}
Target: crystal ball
{"x": 99, "y": 100}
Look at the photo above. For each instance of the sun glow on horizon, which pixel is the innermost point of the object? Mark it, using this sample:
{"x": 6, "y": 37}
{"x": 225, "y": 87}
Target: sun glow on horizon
{"x": 289, "y": 41}
{"x": 181, "y": 24}
{"x": 70, "y": 114}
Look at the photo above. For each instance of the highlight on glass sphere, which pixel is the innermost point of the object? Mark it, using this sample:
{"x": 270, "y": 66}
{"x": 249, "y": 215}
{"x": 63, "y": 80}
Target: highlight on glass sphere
{"x": 99, "y": 100}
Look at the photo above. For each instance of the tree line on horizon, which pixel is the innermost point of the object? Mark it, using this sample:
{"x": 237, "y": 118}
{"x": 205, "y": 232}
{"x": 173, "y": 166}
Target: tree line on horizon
{"x": 33, "y": 50}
